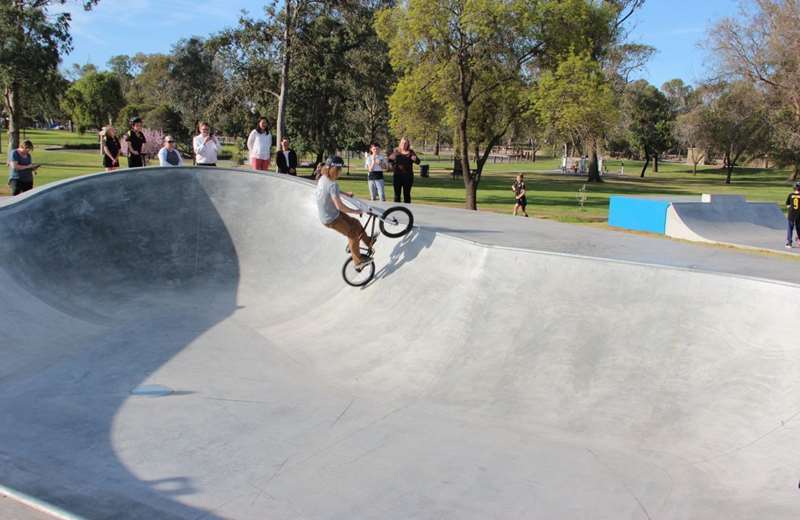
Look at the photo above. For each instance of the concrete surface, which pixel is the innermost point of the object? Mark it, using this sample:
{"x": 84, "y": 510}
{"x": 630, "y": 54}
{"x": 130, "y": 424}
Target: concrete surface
{"x": 601, "y": 375}
{"x": 729, "y": 219}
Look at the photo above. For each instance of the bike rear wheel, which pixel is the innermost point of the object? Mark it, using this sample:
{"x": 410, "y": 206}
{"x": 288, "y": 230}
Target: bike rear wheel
{"x": 396, "y": 221}
{"x": 355, "y": 277}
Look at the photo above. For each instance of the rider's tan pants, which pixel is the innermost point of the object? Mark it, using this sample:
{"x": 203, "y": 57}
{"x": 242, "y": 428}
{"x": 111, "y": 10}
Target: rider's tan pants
{"x": 351, "y": 228}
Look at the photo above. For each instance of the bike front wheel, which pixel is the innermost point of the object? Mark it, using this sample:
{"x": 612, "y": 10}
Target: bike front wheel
{"x": 396, "y": 221}
{"x": 356, "y": 277}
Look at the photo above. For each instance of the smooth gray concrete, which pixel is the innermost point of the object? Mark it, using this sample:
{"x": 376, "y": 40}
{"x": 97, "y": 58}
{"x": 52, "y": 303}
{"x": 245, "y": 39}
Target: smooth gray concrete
{"x": 468, "y": 381}
{"x": 730, "y": 219}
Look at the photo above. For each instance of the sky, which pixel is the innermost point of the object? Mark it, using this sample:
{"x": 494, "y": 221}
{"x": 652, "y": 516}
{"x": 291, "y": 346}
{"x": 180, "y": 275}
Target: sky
{"x": 674, "y": 27}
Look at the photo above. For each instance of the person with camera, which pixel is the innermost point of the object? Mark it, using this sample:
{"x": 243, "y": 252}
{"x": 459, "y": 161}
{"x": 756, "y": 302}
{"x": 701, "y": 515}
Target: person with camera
{"x": 206, "y": 146}
{"x": 22, "y": 169}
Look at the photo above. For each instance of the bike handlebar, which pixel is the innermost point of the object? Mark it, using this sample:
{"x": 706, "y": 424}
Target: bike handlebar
{"x": 357, "y": 204}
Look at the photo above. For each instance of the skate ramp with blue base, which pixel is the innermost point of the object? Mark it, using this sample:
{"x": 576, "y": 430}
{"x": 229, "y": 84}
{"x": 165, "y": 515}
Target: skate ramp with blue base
{"x": 469, "y": 380}
{"x": 730, "y": 220}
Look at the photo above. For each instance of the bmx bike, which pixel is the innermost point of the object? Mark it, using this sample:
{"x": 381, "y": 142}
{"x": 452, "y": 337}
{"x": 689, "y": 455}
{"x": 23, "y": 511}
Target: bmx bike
{"x": 393, "y": 222}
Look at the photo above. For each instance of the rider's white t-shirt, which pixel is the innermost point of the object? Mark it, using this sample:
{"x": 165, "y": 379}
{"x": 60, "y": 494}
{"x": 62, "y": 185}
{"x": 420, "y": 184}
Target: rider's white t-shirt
{"x": 326, "y": 188}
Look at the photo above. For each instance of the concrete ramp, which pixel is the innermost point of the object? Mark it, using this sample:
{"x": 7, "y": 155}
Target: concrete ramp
{"x": 468, "y": 381}
{"x": 728, "y": 219}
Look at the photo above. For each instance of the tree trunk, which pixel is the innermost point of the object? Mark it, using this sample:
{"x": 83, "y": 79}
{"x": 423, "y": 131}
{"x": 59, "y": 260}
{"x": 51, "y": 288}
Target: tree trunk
{"x": 594, "y": 172}
{"x": 436, "y": 150}
{"x": 655, "y": 163}
{"x": 729, "y": 167}
{"x": 795, "y": 172}
{"x": 470, "y": 188}
{"x": 287, "y": 46}
{"x": 646, "y": 164}
{"x": 694, "y": 168}
{"x": 12, "y": 103}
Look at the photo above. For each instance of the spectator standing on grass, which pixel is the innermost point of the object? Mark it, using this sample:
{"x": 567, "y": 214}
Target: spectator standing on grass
{"x": 111, "y": 147}
{"x": 22, "y": 169}
{"x": 259, "y": 144}
{"x": 168, "y": 155}
{"x": 520, "y": 199}
{"x": 793, "y": 215}
{"x": 286, "y": 159}
{"x": 376, "y": 164}
{"x": 136, "y": 140}
{"x": 402, "y": 160}
{"x": 206, "y": 146}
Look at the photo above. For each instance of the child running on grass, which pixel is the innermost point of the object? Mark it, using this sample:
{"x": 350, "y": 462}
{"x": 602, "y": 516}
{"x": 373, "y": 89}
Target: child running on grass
{"x": 520, "y": 202}
{"x": 333, "y": 212}
{"x": 793, "y": 215}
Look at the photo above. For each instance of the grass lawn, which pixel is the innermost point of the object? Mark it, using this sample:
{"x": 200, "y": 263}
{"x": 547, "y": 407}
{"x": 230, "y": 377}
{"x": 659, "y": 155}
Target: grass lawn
{"x": 552, "y": 196}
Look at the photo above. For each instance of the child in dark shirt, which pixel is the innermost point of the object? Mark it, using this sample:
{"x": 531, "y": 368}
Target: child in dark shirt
{"x": 793, "y": 215}
{"x": 520, "y": 201}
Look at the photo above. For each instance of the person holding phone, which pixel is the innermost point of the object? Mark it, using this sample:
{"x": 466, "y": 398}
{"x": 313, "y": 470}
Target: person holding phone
{"x": 22, "y": 169}
{"x": 206, "y": 146}
{"x": 403, "y": 159}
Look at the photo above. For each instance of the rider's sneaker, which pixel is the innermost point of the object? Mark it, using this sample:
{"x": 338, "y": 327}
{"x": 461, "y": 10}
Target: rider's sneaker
{"x": 365, "y": 261}
{"x": 788, "y": 245}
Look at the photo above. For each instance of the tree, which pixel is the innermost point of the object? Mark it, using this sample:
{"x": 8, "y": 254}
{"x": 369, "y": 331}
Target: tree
{"x": 415, "y": 112}
{"x": 262, "y": 52}
{"x": 649, "y": 118}
{"x": 481, "y": 55}
{"x": 33, "y": 41}
{"x": 681, "y": 97}
{"x": 762, "y": 46}
{"x": 735, "y": 123}
{"x": 192, "y": 78}
{"x": 689, "y": 130}
{"x": 94, "y": 100}
{"x": 577, "y": 101}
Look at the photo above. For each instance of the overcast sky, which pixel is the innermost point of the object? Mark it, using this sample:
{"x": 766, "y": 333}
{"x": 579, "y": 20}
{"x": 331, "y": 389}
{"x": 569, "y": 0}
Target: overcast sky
{"x": 674, "y": 27}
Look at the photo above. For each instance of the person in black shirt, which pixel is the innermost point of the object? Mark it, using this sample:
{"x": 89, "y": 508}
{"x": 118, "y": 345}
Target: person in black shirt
{"x": 286, "y": 159}
{"x": 402, "y": 161}
{"x": 136, "y": 141}
{"x": 520, "y": 200}
{"x": 793, "y": 215}
{"x": 111, "y": 148}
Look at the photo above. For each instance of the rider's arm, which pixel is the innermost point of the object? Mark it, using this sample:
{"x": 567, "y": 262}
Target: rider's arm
{"x": 337, "y": 201}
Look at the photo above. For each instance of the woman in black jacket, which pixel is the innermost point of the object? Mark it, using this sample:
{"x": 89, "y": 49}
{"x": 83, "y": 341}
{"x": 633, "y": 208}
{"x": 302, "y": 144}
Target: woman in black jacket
{"x": 402, "y": 160}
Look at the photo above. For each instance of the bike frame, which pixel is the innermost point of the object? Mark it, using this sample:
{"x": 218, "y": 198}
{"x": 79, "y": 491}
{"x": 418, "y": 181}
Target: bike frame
{"x": 373, "y": 214}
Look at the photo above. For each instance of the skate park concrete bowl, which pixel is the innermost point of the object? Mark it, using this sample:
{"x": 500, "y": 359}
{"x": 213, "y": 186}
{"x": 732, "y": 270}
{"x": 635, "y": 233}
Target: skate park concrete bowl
{"x": 179, "y": 343}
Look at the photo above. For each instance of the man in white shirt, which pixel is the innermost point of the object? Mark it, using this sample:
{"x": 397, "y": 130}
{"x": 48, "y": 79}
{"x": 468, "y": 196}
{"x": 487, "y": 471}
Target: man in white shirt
{"x": 206, "y": 147}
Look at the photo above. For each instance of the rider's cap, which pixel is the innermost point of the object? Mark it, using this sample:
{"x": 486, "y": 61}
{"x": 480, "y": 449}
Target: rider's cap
{"x": 335, "y": 161}
{"x": 136, "y": 120}
{"x": 797, "y": 185}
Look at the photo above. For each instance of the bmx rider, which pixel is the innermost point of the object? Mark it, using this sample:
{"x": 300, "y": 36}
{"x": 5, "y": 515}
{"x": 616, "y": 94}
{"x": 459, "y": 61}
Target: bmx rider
{"x": 334, "y": 214}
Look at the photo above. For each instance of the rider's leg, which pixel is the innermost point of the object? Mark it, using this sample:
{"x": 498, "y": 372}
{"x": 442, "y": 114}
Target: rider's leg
{"x": 344, "y": 225}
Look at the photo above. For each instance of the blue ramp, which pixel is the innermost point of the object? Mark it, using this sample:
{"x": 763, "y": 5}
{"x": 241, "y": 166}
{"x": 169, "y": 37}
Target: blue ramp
{"x": 638, "y": 214}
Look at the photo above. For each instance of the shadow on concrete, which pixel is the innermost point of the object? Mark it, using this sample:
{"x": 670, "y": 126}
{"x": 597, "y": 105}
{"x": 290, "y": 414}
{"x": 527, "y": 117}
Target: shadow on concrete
{"x": 113, "y": 254}
{"x": 405, "y": 251}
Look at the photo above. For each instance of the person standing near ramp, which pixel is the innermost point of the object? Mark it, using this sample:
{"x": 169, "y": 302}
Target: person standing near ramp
{"x": 793, "y": 215}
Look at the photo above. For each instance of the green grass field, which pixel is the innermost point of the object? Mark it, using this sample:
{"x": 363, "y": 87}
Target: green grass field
{"x": 552, "y": 196}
